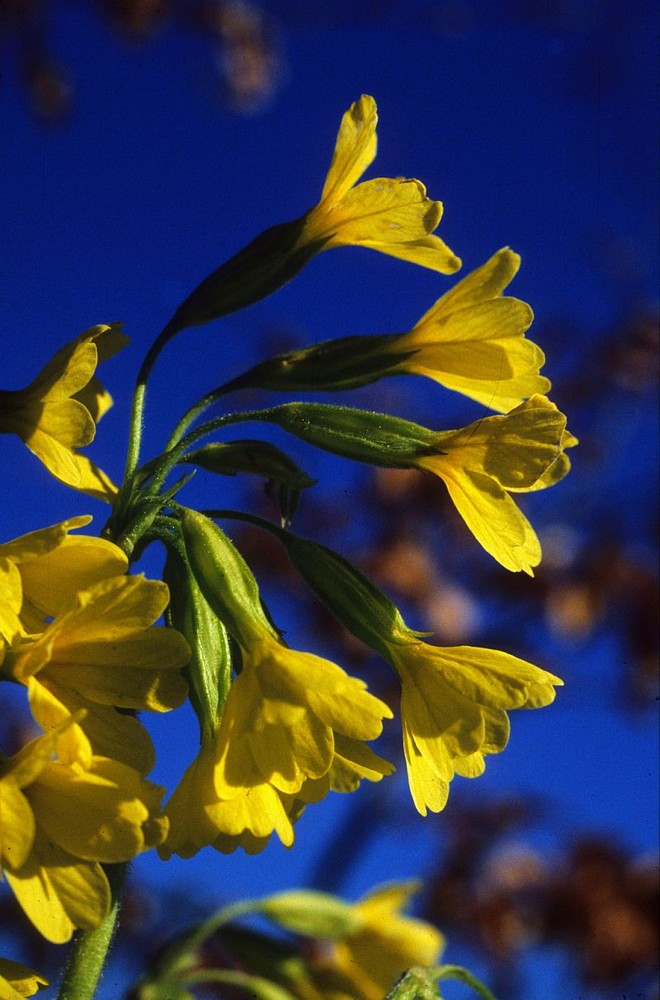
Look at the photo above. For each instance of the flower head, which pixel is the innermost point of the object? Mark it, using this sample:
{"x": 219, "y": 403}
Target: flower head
{"x": 61, "y": 821}
{"x": 281, "y": 716}
{"x": 392, "y": 215}
{"x": 57, "y": 413}
{"x": 454, "y": 702}
{"x": 99, "y": 654}
{"x": 473, "y": 340}
{"x": 483, "y": 463}
{"x": 384, "y": 944}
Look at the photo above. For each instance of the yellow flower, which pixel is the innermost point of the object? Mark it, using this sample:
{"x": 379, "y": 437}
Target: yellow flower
{"x": 56, "y": 413}
{"x": 49, "y": 566}
{"x": 281, "y": 715}
{"x": 101, "y": 654}
{"x": 198, "y": 817}
{"x": 453, "y": 709}
{"x": 385, "y": 944}
{"x": 481, "y": 464}
{"x": 60, "y": 821}
{"x": 392, "y": 215}
{"x": 17, "y": 981}
{"x": 473, "y": 340}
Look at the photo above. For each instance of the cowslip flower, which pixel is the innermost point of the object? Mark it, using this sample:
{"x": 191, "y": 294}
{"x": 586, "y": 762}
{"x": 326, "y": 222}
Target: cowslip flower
{"x": 57, "y": 413}
{"x": 49, "y": 566}
{"x": 60, "y": 822}
{"x": 483, "y": 463}
{"x": 199, "y": 817}
{"x": 281, "y": 714}
{"x": 391, "y": 215}
{"x": 473, "y": 340}
{"x": 384, "y": 944}
{"x": 454, "y": 702}
{"x": 17, "y": 981}
{"x": 102, "y": 654}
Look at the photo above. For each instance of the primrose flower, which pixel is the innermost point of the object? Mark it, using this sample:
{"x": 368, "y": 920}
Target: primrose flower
{"x": 473, "y": 340}
{"x": 391, "y": 215}
{"x": 100, "y": 654}
{"x": 483, "y": 463}
{"x": 57, "y": 413}
{"x": 198, "y": 817}
{"x": 60, "y": 822}
{"x": 281, "y": 715}
{"x": 17, "y": 981}
{"x": 454, "y": 702}
{"x": 49, "y": 566}
{"x": 384, "y": 944}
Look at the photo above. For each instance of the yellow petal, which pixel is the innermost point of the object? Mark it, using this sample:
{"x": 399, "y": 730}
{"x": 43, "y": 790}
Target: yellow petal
{"x": 494, "y": 520}
{"x": 355, "y": 149}
{"x": 59, "y": 893}
{"x": 18, "y": 827}
{"x": 19, "y": 981}
{"x": 111, "y": 804}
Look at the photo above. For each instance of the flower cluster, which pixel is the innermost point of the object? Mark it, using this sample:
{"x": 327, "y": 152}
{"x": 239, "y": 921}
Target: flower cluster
{"x": 280, "y": 728}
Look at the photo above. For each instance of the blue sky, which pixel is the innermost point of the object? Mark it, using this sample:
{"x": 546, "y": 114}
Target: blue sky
{"x": 534, "y": 134}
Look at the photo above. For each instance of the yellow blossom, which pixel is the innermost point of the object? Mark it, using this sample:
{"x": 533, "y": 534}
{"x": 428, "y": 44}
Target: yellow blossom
{"x": 201, "y": 813}
{"x": 101, "y": 654}
{"x": 198, "y": 817}
{"x": 483, "y": 463}
{"x": 385, "y": 943}
{"x": 454, "y": 702}
{"x": 473, "y": 339}
{"x": 281, "y": 714}
{"x": 57, "y": 413}
{"x": 17, "y": 981}
{"x": 60, "y": 821}
{"x": 49, "y": 566}
{"x": 392, "y": 215}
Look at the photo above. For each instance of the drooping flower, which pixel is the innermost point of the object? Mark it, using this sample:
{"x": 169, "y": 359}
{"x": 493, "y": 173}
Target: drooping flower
{"x": 384, "y": 945}
{"x": 473, "y": 340}
{"x": 57, "y": 413}
{"x": 51, "y": 566}
{"x": 61, "y": 821}
{"x": 483, "y": 463}
{"x": 281, "y": 715}
{"x": 17, "y": 981}
{"x": 103, "y": 654}
{"x": 391, "y": 215}
{"x": 454, "y": 702}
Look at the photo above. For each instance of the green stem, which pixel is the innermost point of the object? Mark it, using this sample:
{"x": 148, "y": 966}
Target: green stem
{"x": 89, "y": 950}
{"x": 139, "y": 396}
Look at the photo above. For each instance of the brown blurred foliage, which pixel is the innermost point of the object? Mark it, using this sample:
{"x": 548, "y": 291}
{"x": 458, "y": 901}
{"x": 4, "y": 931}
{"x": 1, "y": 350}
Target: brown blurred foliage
{"x": 243, "y": 46}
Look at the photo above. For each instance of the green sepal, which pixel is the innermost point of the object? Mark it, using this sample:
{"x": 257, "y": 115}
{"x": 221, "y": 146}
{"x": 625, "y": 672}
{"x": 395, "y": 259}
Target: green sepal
{"x": 314, "y": 914}
{"x": 209, "y": 671}
{"x": 350, "y": 596}
{"x": 343, "y": 363}
{"x": 256, "y": 458}
{"x": 269, "y": 261}
{"x": 224, "y": 578}
{"x": 375, "y": 438}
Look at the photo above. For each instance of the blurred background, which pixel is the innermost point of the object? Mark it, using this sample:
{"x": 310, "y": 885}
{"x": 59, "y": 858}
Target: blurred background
{"x": 143, "y": 142}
